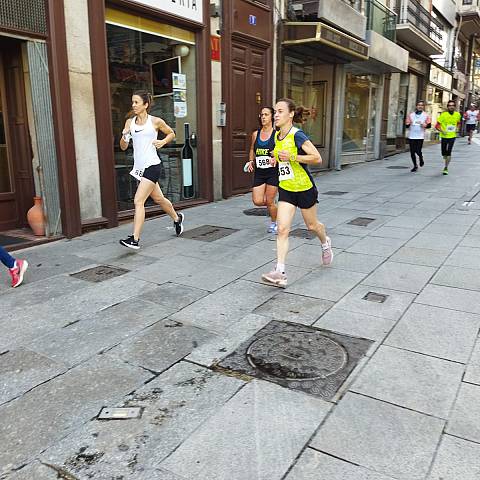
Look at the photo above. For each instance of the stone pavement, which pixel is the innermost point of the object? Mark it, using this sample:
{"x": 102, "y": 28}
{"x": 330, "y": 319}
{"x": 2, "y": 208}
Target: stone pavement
{"x": 409, "y": 410}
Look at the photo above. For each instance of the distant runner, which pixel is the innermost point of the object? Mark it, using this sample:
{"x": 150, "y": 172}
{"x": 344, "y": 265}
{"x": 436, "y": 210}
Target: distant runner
{"x": 417, "y": 122}
{"x": 448, "y": 124}
{"x": 472, "y": 116}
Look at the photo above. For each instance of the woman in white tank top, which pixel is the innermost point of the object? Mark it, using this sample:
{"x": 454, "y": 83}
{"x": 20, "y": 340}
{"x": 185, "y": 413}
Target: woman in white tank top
{"x": 143, "y": 129}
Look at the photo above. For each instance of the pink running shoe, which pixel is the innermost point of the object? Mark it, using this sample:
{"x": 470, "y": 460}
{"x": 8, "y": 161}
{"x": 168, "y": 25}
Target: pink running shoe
{"x": 17, "y": 272}
{"x": 275, "y": 278}
{"x": 327, "y": 252}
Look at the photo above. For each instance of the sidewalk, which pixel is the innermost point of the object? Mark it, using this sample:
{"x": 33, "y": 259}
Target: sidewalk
{"x": 408, "y": 409}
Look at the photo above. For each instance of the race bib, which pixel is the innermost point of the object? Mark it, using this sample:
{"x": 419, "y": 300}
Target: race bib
{"x": 285, "y": 171}
{"x": 137, "y": 173}
{"x": 417, "y": 122}
{"x": 263, "y": 162}
{"x": 451, "y": 128}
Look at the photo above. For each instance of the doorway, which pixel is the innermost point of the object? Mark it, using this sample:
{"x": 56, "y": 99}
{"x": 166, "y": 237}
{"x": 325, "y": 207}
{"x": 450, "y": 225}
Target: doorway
{"x": 16, "y": 172}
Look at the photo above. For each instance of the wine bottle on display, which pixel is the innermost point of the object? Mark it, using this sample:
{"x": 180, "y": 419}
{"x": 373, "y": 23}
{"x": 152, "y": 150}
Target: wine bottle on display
{"x": 187, "y": 165}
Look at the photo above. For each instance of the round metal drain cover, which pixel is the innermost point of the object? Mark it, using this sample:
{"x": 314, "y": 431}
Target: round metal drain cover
{"x": 297, "y": 355}
{"x": 256, "y": 212}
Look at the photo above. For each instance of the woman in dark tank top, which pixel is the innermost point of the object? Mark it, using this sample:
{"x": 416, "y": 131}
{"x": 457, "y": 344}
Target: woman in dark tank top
{"x": 265, "y": 180}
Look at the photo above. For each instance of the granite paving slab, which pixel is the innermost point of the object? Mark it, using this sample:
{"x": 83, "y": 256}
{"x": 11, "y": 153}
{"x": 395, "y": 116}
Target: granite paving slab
{"x": 464, "y": 421}
{"x": 465, "y": 278}
{"x": 160, "y": 346}
{"x": 40, "y": 292}
{"x": 380, "y": 246}
{"x": 22, "y": 325}
{"x": 174, "y": 295}
{"x": 175, "y": 404}
{"x": 470, "y": 241}
{"x": 446, "y": 229}
{"x": 21, "y": 370}
{"x": 313, "y": 465}
{"x": 394, "y": 232}
{"x": 452, "y": 298}
{"x": 472, "y": 374}
{"x": 437, "y": 332}
{"x": 418, "y": 382}
{"x": 420, "y": 256}
{"x": 434, "y": 241}
{"x": 289, "y": 307}
{"x": 456, "y": 459}
{"x": 75, "y": 343}
{"x": 468, "y": 257}
{"x": 408, "y": 221}
{"x": 356, "y": 262}
{"x": 265, "y": 426}
{"x": 355, "y": 324}
{"x": 29, "y": 424}
{"x": 400, "y": 276}
{"x": 228, "y": 305}
{"x": 327, "y": 283}
{"x": 393, "y": 308}
{"x": 383, "y": 437}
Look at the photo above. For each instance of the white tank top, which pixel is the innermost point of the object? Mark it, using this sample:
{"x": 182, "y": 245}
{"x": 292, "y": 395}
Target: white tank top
{"x": 144, "y": 151}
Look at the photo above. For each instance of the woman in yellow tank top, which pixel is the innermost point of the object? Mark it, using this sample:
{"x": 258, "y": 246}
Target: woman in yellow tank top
{"x": 293, "y": 152}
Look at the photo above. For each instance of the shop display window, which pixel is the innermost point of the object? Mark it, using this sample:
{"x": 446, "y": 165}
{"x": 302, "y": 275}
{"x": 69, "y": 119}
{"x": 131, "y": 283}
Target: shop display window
{"x": 162, "y": 60}
{"x": 301, "y": 84}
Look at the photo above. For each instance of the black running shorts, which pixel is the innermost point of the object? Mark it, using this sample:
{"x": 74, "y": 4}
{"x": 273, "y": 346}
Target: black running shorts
{"x": 152, "y": 173}
{"x": 304, "y": 200}
{"x": 471, "y": 127}
{"x": 265, "y": 175}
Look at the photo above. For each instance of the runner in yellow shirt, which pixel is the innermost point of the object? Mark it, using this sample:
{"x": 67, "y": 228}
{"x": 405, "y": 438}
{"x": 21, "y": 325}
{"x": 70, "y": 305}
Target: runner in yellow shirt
{"x": 448, "y": 124}
{"x": 293, "y": 153}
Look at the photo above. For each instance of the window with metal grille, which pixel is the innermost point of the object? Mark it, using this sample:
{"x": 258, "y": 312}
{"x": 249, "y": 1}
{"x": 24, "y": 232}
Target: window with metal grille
{"x": 24, "y": 16}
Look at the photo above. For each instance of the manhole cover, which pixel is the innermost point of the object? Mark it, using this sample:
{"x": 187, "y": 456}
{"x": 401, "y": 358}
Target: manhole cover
{"x": 299, "y": 357}
{"x": 375, "y": 297}
{"x": 361, "y": 221}
{"x": 397, "y": 167}
{"x": 289, "y": 355}
{"x": 334, "y": 192}
{"x": 208, "y": 233}
{"x": 303, "y": 233}
{"x": 100, "y": 273}
{"x": 256, "y": 212}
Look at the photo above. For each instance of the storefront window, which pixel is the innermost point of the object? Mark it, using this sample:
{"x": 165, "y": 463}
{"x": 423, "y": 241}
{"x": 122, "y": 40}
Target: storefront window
{"x": 357, "y": 93}
{"x": 302, "y": 85}
{"x": 161, "y": 61}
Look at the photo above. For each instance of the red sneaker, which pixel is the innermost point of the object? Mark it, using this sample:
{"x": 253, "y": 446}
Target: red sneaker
{"x": 17, "y": 272}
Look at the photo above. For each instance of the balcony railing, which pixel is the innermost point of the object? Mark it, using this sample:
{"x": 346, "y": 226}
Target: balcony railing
{"x": 412, "y": 12}
{"x": 381, "y": 19}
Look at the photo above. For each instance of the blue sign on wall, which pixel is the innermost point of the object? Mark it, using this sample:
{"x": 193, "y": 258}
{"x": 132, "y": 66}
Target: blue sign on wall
{"x": 252, "y": 19}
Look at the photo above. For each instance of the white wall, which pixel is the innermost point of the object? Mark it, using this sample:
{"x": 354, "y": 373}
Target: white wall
{"x": 81, "y": 88}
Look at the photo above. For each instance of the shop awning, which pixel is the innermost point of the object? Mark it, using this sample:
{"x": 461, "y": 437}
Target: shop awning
{"x": 322, "y": 41}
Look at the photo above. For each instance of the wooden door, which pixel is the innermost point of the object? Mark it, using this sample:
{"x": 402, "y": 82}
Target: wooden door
{"x": 16, "y": 175}
{"x": 248, "y": 94}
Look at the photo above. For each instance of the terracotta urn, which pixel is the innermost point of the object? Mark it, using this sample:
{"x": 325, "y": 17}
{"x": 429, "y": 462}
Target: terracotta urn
{"x": 36, "y": 218}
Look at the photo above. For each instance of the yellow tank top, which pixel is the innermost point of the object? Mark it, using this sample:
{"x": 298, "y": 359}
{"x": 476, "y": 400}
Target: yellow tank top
{"x": 301, "y": 180}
